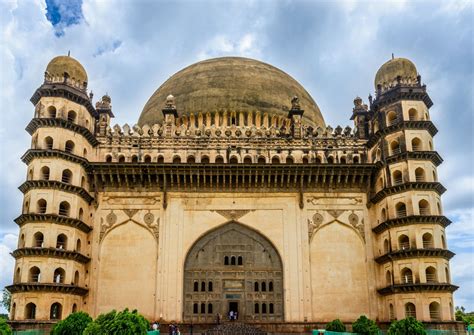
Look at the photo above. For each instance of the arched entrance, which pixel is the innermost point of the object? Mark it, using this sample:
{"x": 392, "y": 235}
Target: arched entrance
{"x": 233, "y": 268}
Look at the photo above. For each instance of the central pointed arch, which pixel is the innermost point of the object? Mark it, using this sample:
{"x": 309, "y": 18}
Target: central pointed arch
{"x": 233, "y": 259}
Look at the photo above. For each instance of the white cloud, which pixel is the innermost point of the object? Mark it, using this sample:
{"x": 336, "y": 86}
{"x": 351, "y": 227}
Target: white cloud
{"x": 245, "y": 45}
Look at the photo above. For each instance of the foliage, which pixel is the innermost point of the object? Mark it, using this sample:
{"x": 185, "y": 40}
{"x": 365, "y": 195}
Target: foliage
{"x": 118, "y": 323}
{"x": 461, "y": 315}
{"x": 74, "y": 324}
{"x": 6, "y": 299}
{"x": 4, "y": 327}
{"x": 363, "y": 325}
{"x": 336, "y": 326}
{"x": 408, "y": 326}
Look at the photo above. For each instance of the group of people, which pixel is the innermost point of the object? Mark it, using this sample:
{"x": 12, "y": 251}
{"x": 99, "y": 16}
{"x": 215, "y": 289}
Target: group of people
{"x": 233, "y": 315}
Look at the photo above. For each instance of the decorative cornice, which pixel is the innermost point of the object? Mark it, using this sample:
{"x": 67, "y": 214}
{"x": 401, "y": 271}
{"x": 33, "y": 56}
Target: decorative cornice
{"x": 34, "y": 153}
{"x": 61, "y": 123}
{"x": 56, "y": 185}
{"x": 432, "y": 156}
{"x": 402, "y": 92}
{"x": 51, "y": 252}
{"x": 418, "y": 287}
{"x": 53, "y": 218}
{"x": 61, "y": 90}
{"x": 410, "y": 186}
{"x": 404, "y": 125}
{"x": 412, "y": 219}
{"x": 415, "y": 253}
{"x": 47, "y": 287}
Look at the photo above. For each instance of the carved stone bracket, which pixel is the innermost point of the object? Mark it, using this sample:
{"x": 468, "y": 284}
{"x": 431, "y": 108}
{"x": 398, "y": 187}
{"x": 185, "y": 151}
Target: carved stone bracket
{"x": 318, "y": 220}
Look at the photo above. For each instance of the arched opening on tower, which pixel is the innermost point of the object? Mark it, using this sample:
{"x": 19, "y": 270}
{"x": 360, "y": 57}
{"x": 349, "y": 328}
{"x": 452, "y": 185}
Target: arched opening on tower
{"x": 239, "y": 262}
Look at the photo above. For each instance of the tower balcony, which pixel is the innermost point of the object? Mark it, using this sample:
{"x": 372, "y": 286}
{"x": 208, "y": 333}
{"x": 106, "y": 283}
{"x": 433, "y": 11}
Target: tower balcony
{"x": 406, "y": 253}
{"x": 408, "y": 286}
{"x": 59, "y": 253}
{"x": 412, "y": 219}
{"x": 47, "y": 287}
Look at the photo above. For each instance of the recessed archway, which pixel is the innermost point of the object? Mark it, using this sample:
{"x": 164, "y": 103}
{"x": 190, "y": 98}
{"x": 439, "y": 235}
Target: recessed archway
{"x": 210, "y": 259}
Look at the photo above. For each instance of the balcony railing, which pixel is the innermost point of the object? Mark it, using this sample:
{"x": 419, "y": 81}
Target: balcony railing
{"x": 35, "y": 278}
{"x": 404, "y": 245}
{"x": 431, "y": 278}
{"x": 435, "y": 315}
{"x": 61, "y": 245}
{"x": 41, "y": 209}
{"x": 398, "y": 181}
{"x": 416, "y": 147}
{"x": 424, "y": 211}
{"x": 396, "y": 151}
{"x": 407, "y": 279}
{"x": 63, "y": 212}
{"x": 401, "y": 213}
{"x": 410, "y": 313}
{"x": 428, "y": 245}
{"x": 66, "y": 179}
{"x": 419, "y": 178}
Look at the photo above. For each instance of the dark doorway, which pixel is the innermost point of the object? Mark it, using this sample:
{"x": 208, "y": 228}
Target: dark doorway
{"x": 234, "y": 307}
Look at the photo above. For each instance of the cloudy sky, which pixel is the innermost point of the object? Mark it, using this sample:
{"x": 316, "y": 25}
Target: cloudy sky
{"x": 332, "y": 48}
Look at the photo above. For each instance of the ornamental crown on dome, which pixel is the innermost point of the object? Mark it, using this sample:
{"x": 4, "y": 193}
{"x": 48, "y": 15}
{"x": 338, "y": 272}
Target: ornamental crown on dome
{"x": 170, "y": 102}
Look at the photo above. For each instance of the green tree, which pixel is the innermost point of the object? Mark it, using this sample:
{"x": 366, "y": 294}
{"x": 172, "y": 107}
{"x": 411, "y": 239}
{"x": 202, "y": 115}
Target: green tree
{"x": 363, "y": 325}
{"x": 4, "y": 327}
{"x": 118, "y": 323}
{"x": 461, "y": 315}
{"x": 408, "y": 326}
{"x": 336, "y": 326}
{"x": 74, "y": 324}
{"x": 6, "y": 299}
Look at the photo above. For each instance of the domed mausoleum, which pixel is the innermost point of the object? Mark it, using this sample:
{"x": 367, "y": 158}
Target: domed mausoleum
{"x": 231, "y": 194}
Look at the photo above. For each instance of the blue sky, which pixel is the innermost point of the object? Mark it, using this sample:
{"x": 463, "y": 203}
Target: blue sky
{"x": 332, "y": 48}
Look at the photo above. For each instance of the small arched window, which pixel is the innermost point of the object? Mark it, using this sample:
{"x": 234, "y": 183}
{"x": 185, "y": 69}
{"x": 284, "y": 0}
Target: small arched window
{"x": 21, "y": 242}
{"x": 416, "y": 144}
{"x": 261, "y": 160}
{"x": 386, "y": 246}
{"x": 45, "y": 173}
{"x": 240, "y": 260}
{"x": 391, "y": 118}
{"x": 270, "y": 286}
{"x": 209, "y": 308}
{"x": 234, "y": 160}
{"x": 108, "y": 159}
{"x": 38, "y": 240}
{"x": 48, "y": 143}
{"x": 121, "y": 159}
{"x": 343, "y": 160}
{"x": 74, "y": 308}
{"x": 407, "y": 276}
{"x": 147, "y": 159}
{"x": 191, "y": 160}
{"x": 264, "y": 308}
{"x": 64, "y": 208}
{"x": 71, "y": 116}
{"x": 196, "y": 286}
{"x": 401, "y": 210}
{"x": 391, "y": 312}
{"x": 271, "y": 308}
{"x": 395, "y": 148}
{"x": 431, "y": 275}
{"x": 176, "y": 160}
{"x": 388, "y": 278}
{"x": 203, "y": 286}
{"x": 443, "y": 241}
{"x": 397, "y": 177}
{"x": 264, "y": 286}
{"x": 256, "y": 309}
{"x": 247, "y": 160}
{"x": 232, "y": 260}
{"x": 410, "y": 310}
{"x": 226, "y": 260}
{"x": 210, "y": 286}
{"x": 81, "y": 214}
{"x": 51, "y": 111}
{"x": 34, "y": 275}
{"x": 41, "y": 206}
{"x": 355, "y": 159}
{"x": 134, "y": 159}
{"x": 383, "y": 214}
{"x": 205, "y": 160}
{"x": 195, "y": 308}
{"x": 56, "y": 311}
{"x": 219, "y": 160}
{"x": 435, "y": 311}
{"x": 440, "y": 212}
{"x": 78, "y": 245}
{"x": 427, "y": 241}
{"x": 69, "y": 147}
{"x": 76, "y": 278}
{"x": 318, "y": 160}
{"x": 403, "y": 242}
{"x": 330, "y": 160}
{"x": 58, "y": 276}
{"x": 424, "y": 207}
{"x": 30, "y": 311}
{"x": 17, "y": 277}
{"x": 276, "y": 160}
{"x": 413, "y": 114}
{"x": 289, "y": 160}
{"x": 446, "y": 275}
{"x": 256, "y": 286}
{"x": 203, "y": 308}
{"x": 13, "y": 311}
{"x": 61, "y": 241}
{"x": 66, "y": 176}
{"x": 420, "y": 174}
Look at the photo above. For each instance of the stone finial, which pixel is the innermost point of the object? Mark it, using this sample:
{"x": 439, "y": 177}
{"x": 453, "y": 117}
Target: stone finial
{"x": 295, "y": 103}
{"x": 104, "y": 103}
{"x": 358, "y": 102}
{"x": 170, "y": 102}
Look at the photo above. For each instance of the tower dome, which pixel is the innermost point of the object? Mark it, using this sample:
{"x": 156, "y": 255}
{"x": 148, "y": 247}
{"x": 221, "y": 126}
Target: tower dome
{"x": 62, "y": 66}
{"x": 387, "y": 75}
{"x": 232, "y": 84}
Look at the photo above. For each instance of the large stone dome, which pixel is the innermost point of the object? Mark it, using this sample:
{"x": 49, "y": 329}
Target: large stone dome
{"x": 233, "y": 84}
{"x": 395, "y": 67}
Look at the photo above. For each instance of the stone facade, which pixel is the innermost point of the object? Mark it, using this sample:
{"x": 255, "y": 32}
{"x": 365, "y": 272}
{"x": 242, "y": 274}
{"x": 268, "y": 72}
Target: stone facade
{"x": 286, "y": 221}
